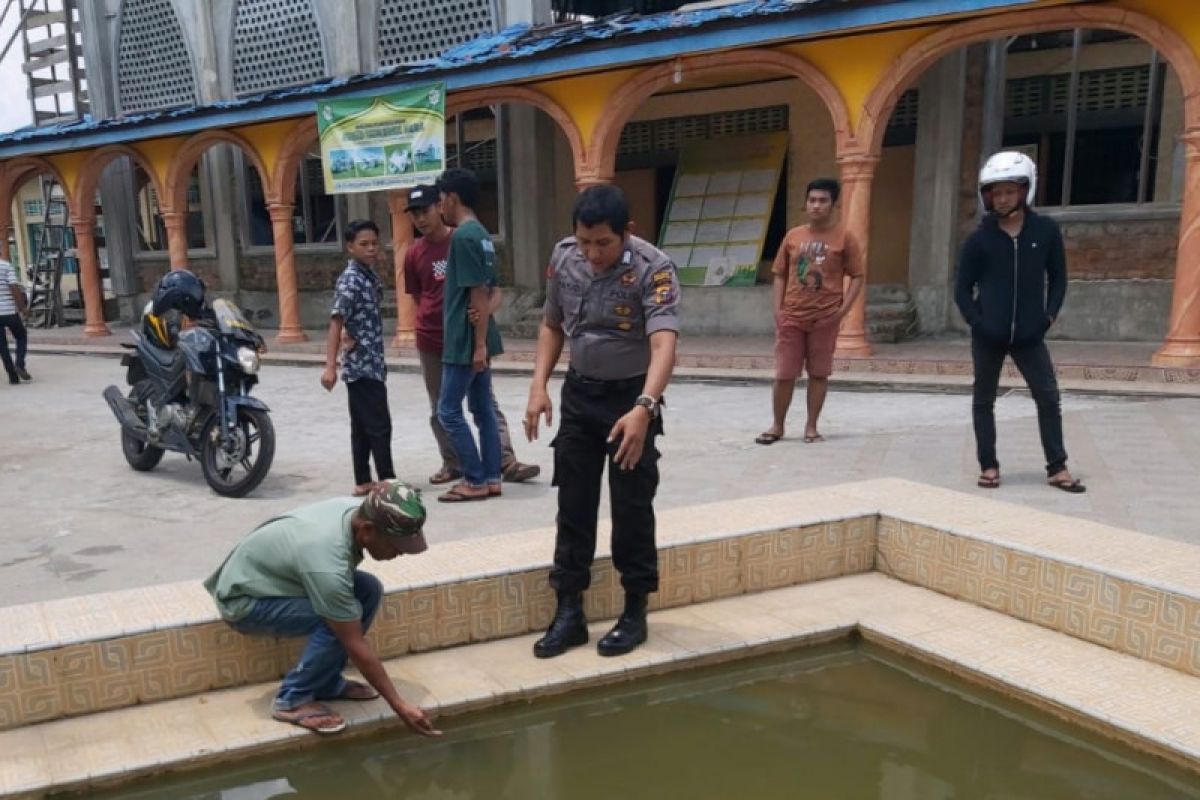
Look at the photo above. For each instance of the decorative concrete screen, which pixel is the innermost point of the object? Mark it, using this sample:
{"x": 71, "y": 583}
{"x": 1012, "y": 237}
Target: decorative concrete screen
{"x": 276, "y": 43}
{"x": 154, "y": 68}
{"x": 411, "y": 31}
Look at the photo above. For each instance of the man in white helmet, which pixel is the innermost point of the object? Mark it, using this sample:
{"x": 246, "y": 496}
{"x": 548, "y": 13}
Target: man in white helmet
{"x": 1012, "y": 279}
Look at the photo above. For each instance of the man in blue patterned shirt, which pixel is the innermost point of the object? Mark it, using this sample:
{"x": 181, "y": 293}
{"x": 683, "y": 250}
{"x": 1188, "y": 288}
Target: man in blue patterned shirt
{"x": 356, "y": 314}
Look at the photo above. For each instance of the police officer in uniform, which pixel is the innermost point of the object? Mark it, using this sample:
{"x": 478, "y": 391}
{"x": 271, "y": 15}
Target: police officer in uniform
{"x": 616, "y": 298}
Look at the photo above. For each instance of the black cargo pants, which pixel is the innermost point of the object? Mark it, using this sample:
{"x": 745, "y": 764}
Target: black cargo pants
{"x": 587, "y": 413}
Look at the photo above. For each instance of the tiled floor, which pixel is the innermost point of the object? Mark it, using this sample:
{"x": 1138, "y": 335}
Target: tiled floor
{"x": 1151, "y": 707}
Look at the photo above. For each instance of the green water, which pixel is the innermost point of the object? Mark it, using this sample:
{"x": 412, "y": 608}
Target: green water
{"x": 841, "y": 723}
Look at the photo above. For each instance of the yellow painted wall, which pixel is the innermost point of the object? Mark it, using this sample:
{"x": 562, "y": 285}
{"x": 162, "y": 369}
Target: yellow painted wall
{"x": 638, "y": 185}
{"x": 891, "y": 216}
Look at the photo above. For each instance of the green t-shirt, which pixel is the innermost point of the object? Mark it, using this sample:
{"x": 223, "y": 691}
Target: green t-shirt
{"x": 308, "y": 552}
{"x": 472, "y": 262}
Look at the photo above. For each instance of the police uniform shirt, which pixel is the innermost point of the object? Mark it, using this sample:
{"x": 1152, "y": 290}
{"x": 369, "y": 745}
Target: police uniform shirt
{"x": 608, "y": 317}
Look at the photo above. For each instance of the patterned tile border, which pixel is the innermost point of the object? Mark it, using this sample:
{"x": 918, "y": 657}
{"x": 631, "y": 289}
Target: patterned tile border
{"x": 1134, "y": 594}
{"x": 1147, "y": 707}
{"x": 87, "y": 674}
{"x": 1127, "y": 614}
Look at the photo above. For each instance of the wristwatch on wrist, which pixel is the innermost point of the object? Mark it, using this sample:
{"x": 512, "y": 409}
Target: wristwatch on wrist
{"x": 649, "y": 403}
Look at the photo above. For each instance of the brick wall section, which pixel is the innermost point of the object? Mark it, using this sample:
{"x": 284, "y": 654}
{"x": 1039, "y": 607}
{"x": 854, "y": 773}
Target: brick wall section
{"x": 150, "y": 271}
{"x": 1121, "y": 249}
{"x": 315, "y": 272}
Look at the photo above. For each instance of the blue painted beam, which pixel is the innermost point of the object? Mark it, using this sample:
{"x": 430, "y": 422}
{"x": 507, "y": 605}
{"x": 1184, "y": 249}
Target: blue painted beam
{"x": 671, "y": 41}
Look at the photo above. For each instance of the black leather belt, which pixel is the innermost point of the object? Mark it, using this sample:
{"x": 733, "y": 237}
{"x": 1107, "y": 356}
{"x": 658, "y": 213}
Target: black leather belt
{"x": 619, "y": 384}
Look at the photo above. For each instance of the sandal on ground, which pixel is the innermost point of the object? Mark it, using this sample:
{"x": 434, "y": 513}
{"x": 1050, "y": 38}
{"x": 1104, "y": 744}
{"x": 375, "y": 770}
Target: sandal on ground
{"x": 516, "y": 472}
{"x": 495, "y": 490}
{"x": 1072, "y": 486}
{"x": 310, "y": 718}
{"x": 356, "y": 690}
{"x": 810, "y": 438}
{"x": 461, "y": 493}
{"x": 444, "y": 475}
{"x": 363, "y": 489}
{"x": 768, "y": 438}
{"x": 988, "y": 482}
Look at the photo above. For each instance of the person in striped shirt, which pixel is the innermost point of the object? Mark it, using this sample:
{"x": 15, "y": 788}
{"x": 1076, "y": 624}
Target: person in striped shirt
{"x": 12, "y": 309}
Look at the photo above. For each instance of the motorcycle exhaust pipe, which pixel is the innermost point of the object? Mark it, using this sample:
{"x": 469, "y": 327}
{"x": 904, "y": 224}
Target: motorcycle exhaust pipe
{"x": 125, "y": 413}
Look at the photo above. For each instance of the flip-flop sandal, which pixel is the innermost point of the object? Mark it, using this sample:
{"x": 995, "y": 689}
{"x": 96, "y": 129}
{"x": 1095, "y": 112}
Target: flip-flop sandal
{"x": 306, "y": 720}
{"x": 816, "y": 437}
{"x": 767, "y": 438}
{"x": 363, "y": 490}
{"x": 495, "y": 490}
{"x": 516, "y": 472}
{"x": 444, "y": 475}
{"x": 988, "y": 482}
{"x": 457, "y": 495}
{"x": 1071, "y": 486}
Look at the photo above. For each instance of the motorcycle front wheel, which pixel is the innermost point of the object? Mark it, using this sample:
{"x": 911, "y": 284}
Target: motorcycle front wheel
{"x": 235, "y": 466}
{"x": 141, "y": 456}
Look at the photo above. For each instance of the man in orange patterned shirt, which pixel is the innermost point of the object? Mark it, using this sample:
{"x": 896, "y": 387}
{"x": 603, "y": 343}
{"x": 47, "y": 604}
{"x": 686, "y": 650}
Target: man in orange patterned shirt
{"x": 809, "y": 297}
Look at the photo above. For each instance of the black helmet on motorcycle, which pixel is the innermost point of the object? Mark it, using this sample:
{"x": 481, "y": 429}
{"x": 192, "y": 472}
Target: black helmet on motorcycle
{"x": 179, "y": 290}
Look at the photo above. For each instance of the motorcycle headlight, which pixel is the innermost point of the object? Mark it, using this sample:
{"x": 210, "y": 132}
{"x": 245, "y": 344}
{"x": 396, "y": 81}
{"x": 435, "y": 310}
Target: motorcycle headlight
{"x": 248, "y": 360}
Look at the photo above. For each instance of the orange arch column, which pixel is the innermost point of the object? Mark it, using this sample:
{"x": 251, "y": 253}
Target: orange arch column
{"x": 89, "y": 275}
{"x": 177, "y": 242}
{"x": 402, "y": 238}
{"x": 286, "y": 284}
{"x": 857, "y": 176}
{"x": 1182, "y": 346}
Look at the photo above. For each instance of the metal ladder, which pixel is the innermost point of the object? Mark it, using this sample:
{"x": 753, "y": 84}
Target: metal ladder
{"x": 45, "y": 273}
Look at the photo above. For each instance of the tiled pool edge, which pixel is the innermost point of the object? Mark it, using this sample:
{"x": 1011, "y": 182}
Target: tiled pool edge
{"x": 480, "y": 602}
{"x": 949, "y": 634}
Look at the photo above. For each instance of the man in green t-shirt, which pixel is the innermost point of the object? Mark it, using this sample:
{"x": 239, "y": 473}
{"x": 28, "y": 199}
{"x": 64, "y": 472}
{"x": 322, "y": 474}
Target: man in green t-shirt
{"x": 295, "y": 575}
{"x": 467, "y": 346}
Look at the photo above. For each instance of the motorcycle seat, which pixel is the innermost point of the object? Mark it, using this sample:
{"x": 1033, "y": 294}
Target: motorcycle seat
{"x": 166, "y": 359}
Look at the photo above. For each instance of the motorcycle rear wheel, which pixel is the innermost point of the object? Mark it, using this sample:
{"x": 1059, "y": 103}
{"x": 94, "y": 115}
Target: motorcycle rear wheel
{"x": 141, "y": 456}
{"x": 236, "y": 468}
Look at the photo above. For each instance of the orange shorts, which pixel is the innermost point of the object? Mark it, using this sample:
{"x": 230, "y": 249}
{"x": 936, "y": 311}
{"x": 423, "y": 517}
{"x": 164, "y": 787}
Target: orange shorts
{"x": 801, "y": 344}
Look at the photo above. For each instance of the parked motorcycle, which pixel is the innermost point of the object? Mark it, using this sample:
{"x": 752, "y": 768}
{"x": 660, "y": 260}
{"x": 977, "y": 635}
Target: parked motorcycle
{"x": 191, "y": 394}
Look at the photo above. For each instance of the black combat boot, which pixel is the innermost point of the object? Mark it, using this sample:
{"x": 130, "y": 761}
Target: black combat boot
{"x": 567, "y": 629}
{"x": 630, "y": 630}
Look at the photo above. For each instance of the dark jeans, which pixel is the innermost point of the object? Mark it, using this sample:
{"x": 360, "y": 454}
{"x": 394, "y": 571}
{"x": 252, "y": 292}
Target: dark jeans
{"x": 588, "y": 411}
{"x": 1033, "y": 360}
{"x": 431, "y": 370}
{"x": 318, "y": 673}
{"x": 480, "y": 466}
{"x": 370, "y": 429}
{"x": 12, "y": 322}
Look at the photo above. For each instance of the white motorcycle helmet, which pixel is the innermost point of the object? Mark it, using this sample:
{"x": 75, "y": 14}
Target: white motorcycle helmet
{"x": 1008, "y": 166}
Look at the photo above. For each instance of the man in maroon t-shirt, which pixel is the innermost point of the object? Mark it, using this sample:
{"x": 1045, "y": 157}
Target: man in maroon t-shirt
{"x": 424, "y": 277}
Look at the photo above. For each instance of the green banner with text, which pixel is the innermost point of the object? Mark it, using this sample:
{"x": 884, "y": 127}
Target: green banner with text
{"x": 391, "y": 141}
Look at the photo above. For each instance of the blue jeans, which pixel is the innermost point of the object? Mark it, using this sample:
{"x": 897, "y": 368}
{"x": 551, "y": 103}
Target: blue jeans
{"x": 479, "y": 466}
{"x": 318, "y": 673}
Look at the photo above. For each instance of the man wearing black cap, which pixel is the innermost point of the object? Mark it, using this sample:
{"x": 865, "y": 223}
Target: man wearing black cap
{"x": 424, "y": 279}
{"x": 296, "y": 575}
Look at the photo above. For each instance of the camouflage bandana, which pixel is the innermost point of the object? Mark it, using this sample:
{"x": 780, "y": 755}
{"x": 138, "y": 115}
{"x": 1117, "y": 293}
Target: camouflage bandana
{"x": 395, "y": 508}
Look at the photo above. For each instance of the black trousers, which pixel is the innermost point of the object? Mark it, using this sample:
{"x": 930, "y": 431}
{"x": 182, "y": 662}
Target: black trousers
{"x": 12, "y": 322}
{"x": 370, "y": 429}
{"x": 587, "y": 413}
{"x": 1033, "y": 360}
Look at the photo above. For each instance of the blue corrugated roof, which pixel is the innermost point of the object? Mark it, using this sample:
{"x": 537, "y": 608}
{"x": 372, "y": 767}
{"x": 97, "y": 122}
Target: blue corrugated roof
{"x": 515, "y": 54}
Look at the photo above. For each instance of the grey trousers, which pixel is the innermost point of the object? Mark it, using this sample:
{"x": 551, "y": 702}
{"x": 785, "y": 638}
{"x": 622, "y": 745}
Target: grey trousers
{"x": 431, "y": 370}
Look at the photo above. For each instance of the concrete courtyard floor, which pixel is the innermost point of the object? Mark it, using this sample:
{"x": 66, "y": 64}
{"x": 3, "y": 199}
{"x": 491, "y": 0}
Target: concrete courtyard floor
{"x": 77, "y": 520}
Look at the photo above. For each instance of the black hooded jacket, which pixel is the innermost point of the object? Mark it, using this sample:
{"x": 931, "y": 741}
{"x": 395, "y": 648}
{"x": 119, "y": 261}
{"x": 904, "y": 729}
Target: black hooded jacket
{"x": 1009, "y": 290}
